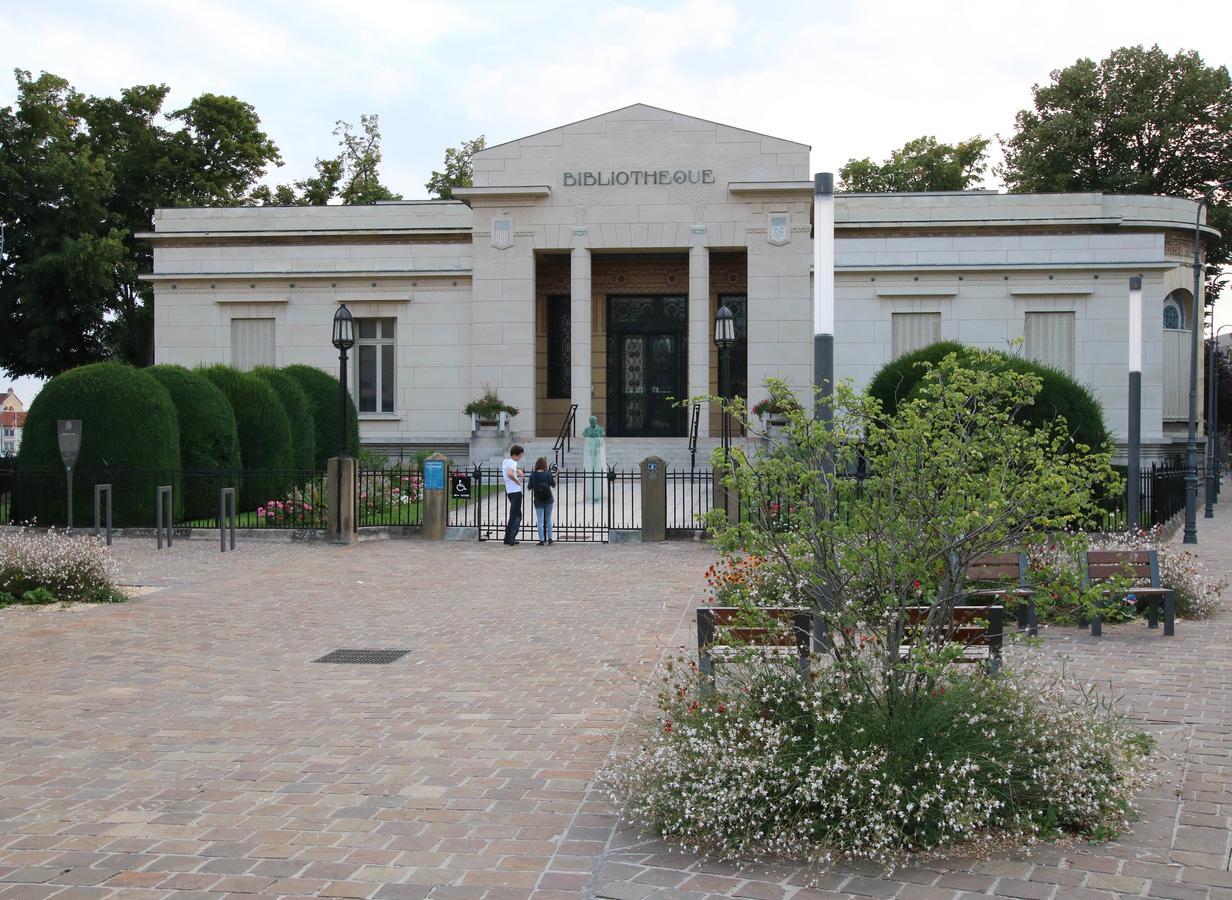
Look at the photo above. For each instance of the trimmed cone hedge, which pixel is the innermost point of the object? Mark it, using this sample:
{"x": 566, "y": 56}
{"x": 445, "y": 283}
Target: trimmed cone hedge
{"x": 299, "y": 414}
{"x": 1059, "y": 397}
{"x": 129, "y": 424}
{"x": 264, "y": 435}
{"x": 322, "y": 390}
{"x": 209, "y": 439}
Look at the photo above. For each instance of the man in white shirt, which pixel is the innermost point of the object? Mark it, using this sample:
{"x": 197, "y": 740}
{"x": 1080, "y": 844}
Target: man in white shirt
{"x": 512, "y": 476}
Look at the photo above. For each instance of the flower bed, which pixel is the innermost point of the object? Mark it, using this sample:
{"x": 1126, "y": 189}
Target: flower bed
{"x": 770, "y": 763}
{"x": 41, "y": 567}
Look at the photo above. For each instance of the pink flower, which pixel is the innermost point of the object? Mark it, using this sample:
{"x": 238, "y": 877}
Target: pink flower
{"x": 261, "y": 511}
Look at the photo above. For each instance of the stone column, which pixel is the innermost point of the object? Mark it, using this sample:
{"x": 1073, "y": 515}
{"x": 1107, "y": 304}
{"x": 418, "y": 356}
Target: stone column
{"x": 580, "y": 328}
{"x": 699, "y": 319}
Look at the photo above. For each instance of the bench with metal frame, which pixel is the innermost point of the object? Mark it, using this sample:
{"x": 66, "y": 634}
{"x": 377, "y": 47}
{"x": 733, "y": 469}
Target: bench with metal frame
{"x": 791, "y": 633}
{"x": 979, "y": 629}
{"x": 1139, "y": 565}
{"x": 1003, "y": 577}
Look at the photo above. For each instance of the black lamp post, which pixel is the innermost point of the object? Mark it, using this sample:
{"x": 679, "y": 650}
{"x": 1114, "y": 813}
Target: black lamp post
{"x": 724, "y": 340}
{"x": 344, "y": 340}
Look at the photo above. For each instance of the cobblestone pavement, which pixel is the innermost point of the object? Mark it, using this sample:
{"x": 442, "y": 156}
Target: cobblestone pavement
{"x": 184, "y": 745}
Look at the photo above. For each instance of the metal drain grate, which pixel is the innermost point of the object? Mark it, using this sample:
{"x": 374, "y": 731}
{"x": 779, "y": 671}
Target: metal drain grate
{"x": 363, "y": 657}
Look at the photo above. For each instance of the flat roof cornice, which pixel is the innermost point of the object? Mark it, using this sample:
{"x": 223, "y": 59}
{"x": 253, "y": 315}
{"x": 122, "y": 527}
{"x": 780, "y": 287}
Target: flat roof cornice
{"x": 449, "y": 230}
{"x": 770, "y": 187}
{"x": 336, "y": 275}
{"x": 535, "y": 191}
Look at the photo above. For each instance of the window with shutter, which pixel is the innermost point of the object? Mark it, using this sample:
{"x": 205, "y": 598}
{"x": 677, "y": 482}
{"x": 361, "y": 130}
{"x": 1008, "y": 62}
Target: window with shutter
{"x": 252, "y": 343}
{"x": 1049, "y": 339}
{"x": 913, "y": 331}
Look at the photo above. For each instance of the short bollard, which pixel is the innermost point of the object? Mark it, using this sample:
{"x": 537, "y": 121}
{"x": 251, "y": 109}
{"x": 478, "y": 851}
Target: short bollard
{"x": 163, "y": 514}
{"x": 99, "y": 490}
{"x": 225, "y": 495}
{"x": 1097, "y": 626}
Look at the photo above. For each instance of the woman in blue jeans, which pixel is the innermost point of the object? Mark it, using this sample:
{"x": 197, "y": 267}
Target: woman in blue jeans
{"x": 541, "y": 482}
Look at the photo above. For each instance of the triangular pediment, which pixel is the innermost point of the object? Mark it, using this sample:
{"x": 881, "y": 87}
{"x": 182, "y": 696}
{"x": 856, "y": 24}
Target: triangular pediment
{"x": 648, "y": 143}
{"x": 652, "y": 118}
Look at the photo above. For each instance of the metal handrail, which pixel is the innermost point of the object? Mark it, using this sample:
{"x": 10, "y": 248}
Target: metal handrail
{"x": 565, "y": 438}
{"x": 694, "y": 422}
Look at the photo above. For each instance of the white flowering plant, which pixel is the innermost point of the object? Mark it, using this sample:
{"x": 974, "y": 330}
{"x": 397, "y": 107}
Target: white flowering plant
{"x": 771, "y": 763}
{"x": 41, "y": 567}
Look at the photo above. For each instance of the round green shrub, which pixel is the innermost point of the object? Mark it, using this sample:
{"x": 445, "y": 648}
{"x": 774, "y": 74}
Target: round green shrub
{"x": 322, "y": 390}
{"x": 209, "y": 440}
{"x": 1060, "y": 395}
{"x": 130, "y": 438}
{"x": 264, "y": 433}
{"x": 299, "y": 414}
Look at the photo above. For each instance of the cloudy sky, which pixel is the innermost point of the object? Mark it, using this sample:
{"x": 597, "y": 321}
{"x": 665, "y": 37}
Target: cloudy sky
{"x": 852, "y": 79}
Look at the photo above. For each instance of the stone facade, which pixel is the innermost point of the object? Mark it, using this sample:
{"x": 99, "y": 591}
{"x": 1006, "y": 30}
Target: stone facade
{"x": 646, "y": 202}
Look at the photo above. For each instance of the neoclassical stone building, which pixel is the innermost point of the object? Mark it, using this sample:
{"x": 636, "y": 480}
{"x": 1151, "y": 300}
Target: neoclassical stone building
{"x": 586, "y": 264}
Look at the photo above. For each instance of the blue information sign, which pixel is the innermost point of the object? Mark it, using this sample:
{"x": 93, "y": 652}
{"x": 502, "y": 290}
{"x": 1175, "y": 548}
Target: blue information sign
{"x": 434, "y": 474}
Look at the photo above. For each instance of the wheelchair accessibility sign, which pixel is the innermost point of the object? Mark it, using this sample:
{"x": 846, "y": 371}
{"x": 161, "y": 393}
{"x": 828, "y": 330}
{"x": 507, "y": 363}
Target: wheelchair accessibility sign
{"x": 460, "y": 487}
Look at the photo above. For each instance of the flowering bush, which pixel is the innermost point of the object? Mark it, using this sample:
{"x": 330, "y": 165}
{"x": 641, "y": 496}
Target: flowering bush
{"x": 768, "y": 762}
{"x": 303, "y": 507}
{"x": 62, "y": 566}
{"x": 750, "y": 581}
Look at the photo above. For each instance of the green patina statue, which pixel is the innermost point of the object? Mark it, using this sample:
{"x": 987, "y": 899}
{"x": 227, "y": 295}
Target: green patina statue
{"x": 594, "y": 429}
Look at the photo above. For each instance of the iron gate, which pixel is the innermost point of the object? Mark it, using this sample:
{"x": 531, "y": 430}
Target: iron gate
{"x": 587, "y": 505}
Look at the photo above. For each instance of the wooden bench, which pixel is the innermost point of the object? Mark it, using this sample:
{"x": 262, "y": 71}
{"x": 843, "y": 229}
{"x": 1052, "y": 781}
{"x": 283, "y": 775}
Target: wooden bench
{"x": 793, "y": 635}
{"x": 1140, "y": 565}
{"x": 979, "y": 629}
{"x": 1004, "y": 580}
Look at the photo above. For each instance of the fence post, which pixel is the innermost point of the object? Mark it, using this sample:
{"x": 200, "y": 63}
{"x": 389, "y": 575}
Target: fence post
{"x": 435, "y": 498}
{"x": 342, "y": 496}
{"x": 654, "y": 499}
{"x": 225, "y": 494}
{"x": 163, "y": 500}
{"x": 98, "y": 490}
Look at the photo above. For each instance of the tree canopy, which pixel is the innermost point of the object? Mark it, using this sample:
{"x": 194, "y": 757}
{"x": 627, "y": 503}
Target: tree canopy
{"x": 79, "y": 176}
{"x": 351, "y": 177}
{"x": 1138, "y": 122}
{"x": 920, "y": 165}
{"x": 458, "y": 169}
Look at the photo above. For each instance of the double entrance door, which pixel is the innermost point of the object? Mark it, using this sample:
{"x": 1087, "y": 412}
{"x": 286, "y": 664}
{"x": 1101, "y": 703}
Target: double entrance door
{"x": 647, "y": 356}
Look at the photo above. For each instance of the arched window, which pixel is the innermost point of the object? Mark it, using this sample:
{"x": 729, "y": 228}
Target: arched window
{"x": 1174, "y": 315}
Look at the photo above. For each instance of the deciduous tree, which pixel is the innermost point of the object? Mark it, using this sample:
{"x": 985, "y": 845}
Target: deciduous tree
{"x": 920, "y": 165}
{"x": 1138, "y": 122}
{"x": 458, "y": 169}
{"x": 79, "y": 176}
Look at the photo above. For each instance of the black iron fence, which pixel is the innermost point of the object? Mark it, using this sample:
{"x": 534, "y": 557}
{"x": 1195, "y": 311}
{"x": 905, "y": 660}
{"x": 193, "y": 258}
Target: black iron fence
{"x": 1161, "y": 495}
{"x": 587, "y": 505}
{"x": 282, "y": 498}
{"x": 390, "y": 496}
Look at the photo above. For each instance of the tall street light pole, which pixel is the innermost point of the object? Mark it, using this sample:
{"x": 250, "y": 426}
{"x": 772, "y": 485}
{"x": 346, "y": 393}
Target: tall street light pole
{"x": 724, "y": 338}
{"x": 1212, "y": 438}
{"x": 1134, "y": 488}
{"x": 823, "y": 295}
{"x": 1191, "y": 446}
